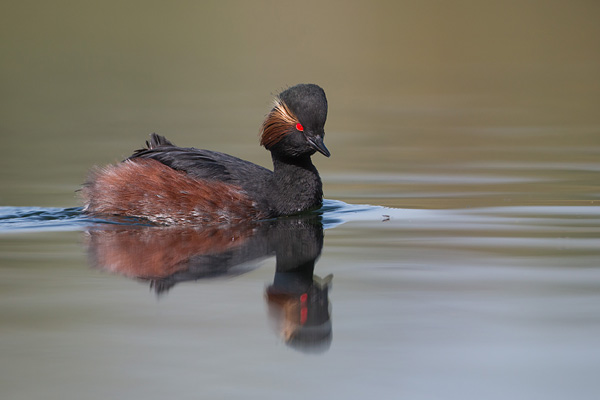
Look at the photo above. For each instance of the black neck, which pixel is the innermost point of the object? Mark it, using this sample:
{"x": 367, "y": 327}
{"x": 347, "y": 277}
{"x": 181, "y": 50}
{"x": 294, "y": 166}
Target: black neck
{"x": 297, "y": 185}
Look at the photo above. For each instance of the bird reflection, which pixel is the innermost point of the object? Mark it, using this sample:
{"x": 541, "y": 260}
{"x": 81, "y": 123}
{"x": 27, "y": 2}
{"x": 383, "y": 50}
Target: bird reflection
{"x": 164, "y": 256}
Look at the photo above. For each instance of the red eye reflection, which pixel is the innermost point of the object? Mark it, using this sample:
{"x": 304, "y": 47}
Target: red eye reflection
{"x": 299, "y": 127}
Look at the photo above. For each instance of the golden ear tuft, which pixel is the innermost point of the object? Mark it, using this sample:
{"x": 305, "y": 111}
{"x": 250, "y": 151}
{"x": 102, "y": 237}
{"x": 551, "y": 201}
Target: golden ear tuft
{"x": 279, "y": 122}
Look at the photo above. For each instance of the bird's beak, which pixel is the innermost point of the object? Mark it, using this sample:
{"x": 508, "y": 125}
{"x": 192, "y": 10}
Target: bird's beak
{"x": 317, "y": 144}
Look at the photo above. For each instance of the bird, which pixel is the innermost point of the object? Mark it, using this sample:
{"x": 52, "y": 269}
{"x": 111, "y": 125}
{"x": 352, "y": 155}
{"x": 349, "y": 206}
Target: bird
{"x": 170, "y": 185}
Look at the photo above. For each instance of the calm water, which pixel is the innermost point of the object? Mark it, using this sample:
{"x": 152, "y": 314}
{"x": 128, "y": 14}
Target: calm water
{"x": 494, "y": 302}
{"x": 457, "y": 255}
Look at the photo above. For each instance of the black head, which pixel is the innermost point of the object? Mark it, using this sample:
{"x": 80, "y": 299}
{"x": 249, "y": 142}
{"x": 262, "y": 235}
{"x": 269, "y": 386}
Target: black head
{"x": 295, "y": 125}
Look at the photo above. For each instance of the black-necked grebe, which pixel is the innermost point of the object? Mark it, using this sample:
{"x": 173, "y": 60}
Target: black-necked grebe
{"x": 167, "y": 184}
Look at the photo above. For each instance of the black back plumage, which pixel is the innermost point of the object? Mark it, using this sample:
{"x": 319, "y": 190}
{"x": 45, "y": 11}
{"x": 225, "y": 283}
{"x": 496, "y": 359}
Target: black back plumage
{"x": 206, "y": 164}
{"x": 202, "y": 164}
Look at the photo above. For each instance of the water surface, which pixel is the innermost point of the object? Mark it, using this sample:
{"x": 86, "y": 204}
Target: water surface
{"x": 501, "y": 298}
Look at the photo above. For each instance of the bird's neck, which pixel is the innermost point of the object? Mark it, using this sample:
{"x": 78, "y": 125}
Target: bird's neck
{"x": 297, "y": 185}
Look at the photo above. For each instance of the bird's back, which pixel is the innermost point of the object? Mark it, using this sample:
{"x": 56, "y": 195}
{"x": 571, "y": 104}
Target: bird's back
{"x": 187, "y": 184}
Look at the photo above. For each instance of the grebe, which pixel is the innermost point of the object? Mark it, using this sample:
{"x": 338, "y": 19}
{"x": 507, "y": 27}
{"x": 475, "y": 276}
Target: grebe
{"x": 167, "y": 184}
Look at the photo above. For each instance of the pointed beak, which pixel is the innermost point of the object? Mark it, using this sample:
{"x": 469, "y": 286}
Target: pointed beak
{"x": 317, "y": 144}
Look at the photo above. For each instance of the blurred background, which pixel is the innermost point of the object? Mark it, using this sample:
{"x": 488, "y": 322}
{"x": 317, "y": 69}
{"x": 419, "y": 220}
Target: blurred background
{"x": 429, "y": 100}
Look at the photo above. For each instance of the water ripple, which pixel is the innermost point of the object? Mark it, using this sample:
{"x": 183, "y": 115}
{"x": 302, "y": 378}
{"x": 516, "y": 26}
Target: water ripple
{"x": 334, "y": 213}
{"x": 36, "y": 219}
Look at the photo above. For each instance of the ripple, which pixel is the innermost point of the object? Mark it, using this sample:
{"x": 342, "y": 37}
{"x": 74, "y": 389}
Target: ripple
{"x": 41, "y": 219}
{"x": 335, "y": 213}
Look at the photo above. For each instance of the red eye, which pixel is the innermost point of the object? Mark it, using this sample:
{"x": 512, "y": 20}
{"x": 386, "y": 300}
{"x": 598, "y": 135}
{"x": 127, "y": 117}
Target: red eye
{"x": 299, "y": 127}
